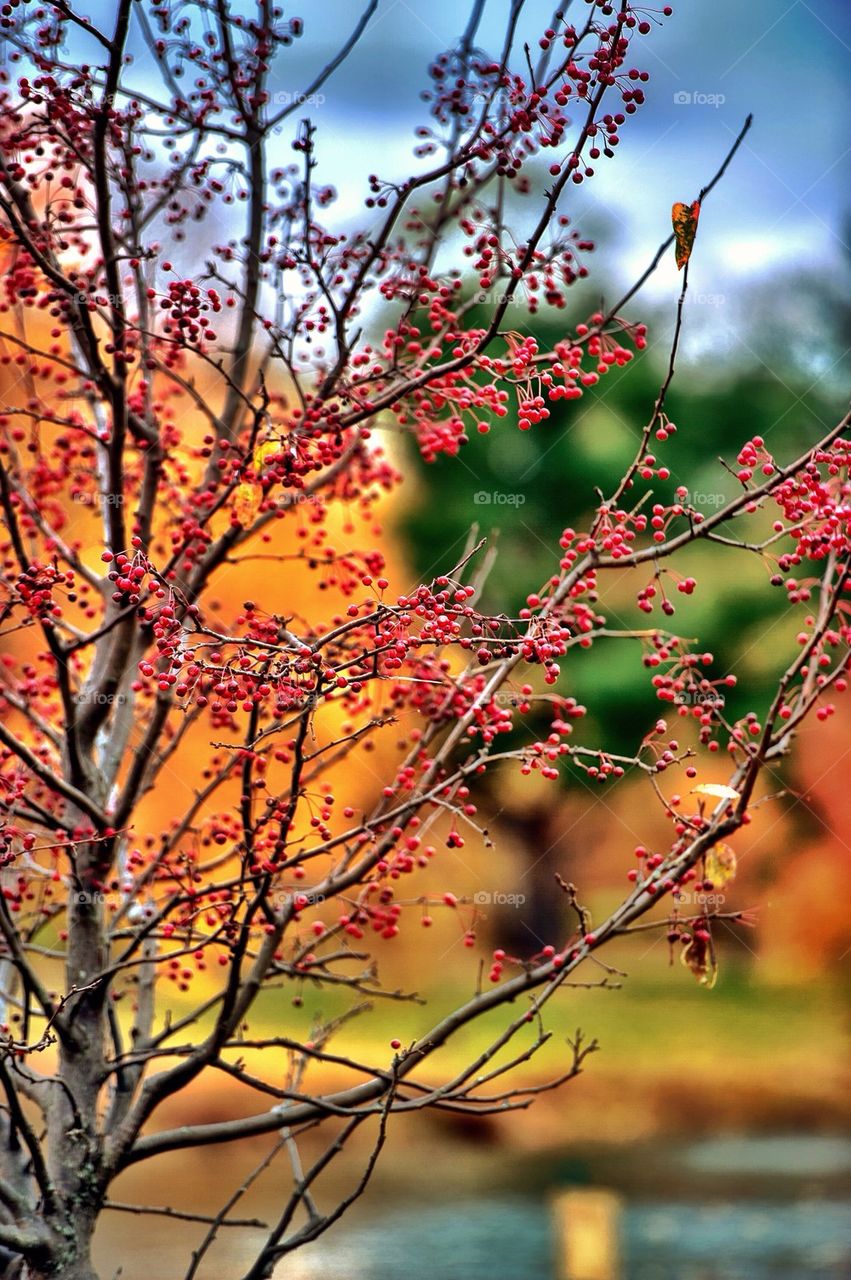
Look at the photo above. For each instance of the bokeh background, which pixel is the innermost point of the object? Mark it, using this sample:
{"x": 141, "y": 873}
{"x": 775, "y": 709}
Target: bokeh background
{"x": 720, "y": 1118}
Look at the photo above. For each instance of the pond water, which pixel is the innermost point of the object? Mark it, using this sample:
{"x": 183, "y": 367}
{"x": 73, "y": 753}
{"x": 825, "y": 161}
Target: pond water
{"x": 820, "y": 1155}
{"x": 510, "y": 1239}
{"x": 734, "y": 1207}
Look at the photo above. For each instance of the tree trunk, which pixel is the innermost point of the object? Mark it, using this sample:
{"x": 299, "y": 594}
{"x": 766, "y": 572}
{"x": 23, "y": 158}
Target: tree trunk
{"x": 540, "y": 918}
{"x": 78, "y": 1269}
{"x": 71, "y": 1258}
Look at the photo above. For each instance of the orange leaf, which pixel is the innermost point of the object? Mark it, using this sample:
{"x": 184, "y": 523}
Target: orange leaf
{"x": 684, "y": 219}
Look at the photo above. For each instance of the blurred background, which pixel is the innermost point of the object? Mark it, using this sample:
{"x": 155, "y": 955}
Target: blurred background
{"x": 720, "y": 1118}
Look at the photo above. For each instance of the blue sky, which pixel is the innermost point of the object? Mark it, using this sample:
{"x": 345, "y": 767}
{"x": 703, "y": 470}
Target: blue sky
{"x": 788, "y": 63}
{"x": 785, "y": 197}
{"x": 782, "y": 210}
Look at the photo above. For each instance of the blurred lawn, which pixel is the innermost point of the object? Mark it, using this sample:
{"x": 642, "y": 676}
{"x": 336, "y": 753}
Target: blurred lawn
{"x": 650, "y": 1026}
{"x": 672, "y": 1057}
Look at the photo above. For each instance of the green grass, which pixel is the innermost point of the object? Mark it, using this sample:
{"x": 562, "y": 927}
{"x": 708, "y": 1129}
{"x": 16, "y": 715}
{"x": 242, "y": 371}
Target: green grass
{"x": 650, "y": 1027}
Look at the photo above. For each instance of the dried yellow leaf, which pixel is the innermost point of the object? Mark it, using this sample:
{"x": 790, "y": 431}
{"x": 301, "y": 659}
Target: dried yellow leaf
{"x": 721, "y": 865}
{"x": 716, "y": 789}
